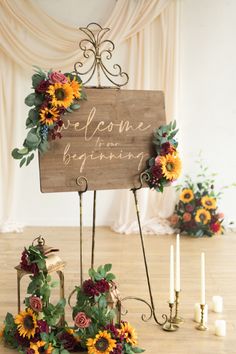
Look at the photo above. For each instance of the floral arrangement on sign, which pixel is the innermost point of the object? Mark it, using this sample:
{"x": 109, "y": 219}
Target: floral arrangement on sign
{"x": 165, "y": 167}
{"x": 94, "y": 316}
{"x": 55, "y": 94}
{"x": 197, "y": 213}
{"x": 39, "y": 329}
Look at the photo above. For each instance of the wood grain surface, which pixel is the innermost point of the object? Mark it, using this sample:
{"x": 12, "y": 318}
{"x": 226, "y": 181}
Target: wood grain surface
{"x": 107, "y": 141}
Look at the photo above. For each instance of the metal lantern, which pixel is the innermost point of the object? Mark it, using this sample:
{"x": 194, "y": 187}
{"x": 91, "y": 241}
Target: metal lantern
{"x": 53, "y": 264}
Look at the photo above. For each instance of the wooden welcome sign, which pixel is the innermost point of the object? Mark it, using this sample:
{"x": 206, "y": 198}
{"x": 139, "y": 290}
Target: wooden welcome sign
{"x": 107, "y": 141}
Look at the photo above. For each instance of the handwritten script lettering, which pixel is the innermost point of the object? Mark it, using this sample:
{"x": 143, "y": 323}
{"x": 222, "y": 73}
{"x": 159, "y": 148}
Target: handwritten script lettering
{"x": 123, "y": 126}
{"x": 96, "y": 155}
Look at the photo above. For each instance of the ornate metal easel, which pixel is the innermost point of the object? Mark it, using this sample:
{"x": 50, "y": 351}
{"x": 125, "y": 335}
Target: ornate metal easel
{"x": 93, "y": 46}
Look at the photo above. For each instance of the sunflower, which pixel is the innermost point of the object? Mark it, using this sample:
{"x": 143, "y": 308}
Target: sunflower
{"x": 102, "y": 343}
{"x": 38, "y": 347}
{"x": 208, "y": 202}
{"x": 129, "y": 333}
{"x": 202, "y": 216}
{"x": 76, "y": 87}
{"x": 61, "y": 94}
{"x": 186, "y": 195}
{"x": 49, "y": 115}
{"x": 26, "y": 323}
{"x": 171, "y": 166}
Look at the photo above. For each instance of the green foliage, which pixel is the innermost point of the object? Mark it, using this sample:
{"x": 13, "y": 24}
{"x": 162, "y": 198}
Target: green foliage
{"x": 37, "y": 136}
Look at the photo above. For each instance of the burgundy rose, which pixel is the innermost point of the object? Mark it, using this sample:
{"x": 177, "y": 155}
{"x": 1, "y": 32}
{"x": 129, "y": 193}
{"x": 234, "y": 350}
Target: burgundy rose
{"x": 102, "y": 286}
{"x": 57, "y": 76}
{"x": 81, "y": 320}
{"x": 23, "y": 341}
{"x": 167, "y": 148}
{"x": 42, "y": 86}
{"x": 30, "y": 351}
{"x": 215, "y": 227}
{"x": 117, "y": 349}
{"x": 111, "y": 328}
{"x": 42, "y": 326}
{"x": 26, "y": 265}
{"x": 156, "y": 171}
{"x": 68, "y": 341}
{"x": 189, "y": 208}
{"x": 36, "y": 303}
{"x": 90, "y": 288}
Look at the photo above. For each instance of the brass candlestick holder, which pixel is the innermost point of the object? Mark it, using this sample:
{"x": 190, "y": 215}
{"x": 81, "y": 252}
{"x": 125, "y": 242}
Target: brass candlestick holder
{"x": 169, "y": 326}
{"x": 177, "y": 319}
{"x": 202, "y": 326}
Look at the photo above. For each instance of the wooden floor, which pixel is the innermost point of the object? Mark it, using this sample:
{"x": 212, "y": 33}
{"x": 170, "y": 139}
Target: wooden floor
{"x": 125, "y": 254}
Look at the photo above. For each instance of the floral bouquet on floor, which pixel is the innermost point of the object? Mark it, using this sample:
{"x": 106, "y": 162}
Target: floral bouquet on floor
{"x": 165, "y": 167}
{"x": 55, "y": 94}
{"x": 196, "y": 212}
{"x": 36, "y": 329}
{"x": 97, "y": 319}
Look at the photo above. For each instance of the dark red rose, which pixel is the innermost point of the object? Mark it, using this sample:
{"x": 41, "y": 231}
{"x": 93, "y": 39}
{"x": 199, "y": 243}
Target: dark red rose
{"x": 111, "y": 328}
{"x": 189, "y": 208}
{"x": 156, "y": 171}
{"x": 23, "y": 341}
{"x": 198, "y": 202}
{"x": 42, "y": 326}
{"x": 30, "y": 351}
{"x": 26, "y": 265}
{"x": 117, "y": 349}
{"x": 167, "y": 148}
{"x": 102, "y": 286}
{"x": 90, "y": 288}
{"x": 42, "y": 86}
{"x": 68, "y": 341}
{"x": 215, "y": 227}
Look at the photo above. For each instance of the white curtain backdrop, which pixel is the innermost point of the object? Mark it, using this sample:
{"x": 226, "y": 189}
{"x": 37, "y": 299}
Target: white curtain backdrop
{"x": 30, "y": 36}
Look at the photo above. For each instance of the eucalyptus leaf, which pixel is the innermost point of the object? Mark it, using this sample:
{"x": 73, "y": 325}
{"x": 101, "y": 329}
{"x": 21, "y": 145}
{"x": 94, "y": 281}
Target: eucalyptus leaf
{"x": 29, "y": 100}
{"x": 22, "y": 161}
{"x": 15, "y": 154}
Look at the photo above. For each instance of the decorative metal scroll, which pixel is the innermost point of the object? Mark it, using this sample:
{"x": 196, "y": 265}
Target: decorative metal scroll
{"x": 98, "y": 49}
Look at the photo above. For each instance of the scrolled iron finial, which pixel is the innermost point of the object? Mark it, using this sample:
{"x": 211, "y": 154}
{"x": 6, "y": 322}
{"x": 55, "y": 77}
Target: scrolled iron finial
{"x": 82, "y": 181}
{"x": 143, "y": 177}
{"x": 98, "y": 49}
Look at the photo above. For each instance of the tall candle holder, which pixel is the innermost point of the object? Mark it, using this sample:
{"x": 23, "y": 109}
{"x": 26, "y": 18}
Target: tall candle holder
{"x": 202, "y": 326}
{"x": 177, "y": 319}
{"x": 169, "y": 326}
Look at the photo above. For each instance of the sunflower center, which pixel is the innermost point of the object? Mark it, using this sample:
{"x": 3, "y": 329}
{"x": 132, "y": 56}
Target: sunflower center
{"x": 28, "y": 322}
{"x": 49, "y": 115}
{"x": 187, "y": 195}
{"x": 41, "y": 350}
{"x": 169, "y": 166}
{"x": 60, "y": 94}
{"x": 202, "y": 217}
{"x": 208, "y": 202}
{"x": 102, "y": 344}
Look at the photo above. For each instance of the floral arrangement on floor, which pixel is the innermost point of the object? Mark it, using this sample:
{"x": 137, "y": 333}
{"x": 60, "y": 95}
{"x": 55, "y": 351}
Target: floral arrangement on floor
{"x": 55, "y": 94}
{"x": 165, "y": 167}
{"x": 39, "y": 328}
{"x": 94, "y": 315}
{"x": 196, "y": 212}
{"x": 36, "y": 329}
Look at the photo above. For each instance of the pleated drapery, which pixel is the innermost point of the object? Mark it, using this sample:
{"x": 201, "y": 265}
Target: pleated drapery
{"x": 30, "y": 36}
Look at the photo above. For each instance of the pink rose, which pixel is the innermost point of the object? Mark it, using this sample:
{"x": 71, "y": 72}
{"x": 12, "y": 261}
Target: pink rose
{"x": 56, "y": 76}
{"x": 36, "y": 303}
{"x": 220, "y": 216}
{"x": 81, "y": 320}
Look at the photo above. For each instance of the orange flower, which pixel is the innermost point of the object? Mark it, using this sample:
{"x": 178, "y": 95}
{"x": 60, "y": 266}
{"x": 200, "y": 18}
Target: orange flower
{"x": 187, "y": 217}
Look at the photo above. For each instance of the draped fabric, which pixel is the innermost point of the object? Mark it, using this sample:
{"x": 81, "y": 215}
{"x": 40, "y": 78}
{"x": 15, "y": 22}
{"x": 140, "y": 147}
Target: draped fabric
{"x": 30, "y": 36}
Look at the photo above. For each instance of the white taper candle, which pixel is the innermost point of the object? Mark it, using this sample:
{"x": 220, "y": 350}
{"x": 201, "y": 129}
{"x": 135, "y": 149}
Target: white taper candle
{"x": 177, "y": 264}
{"x": 172, "y": 284}
{"x": 203, "y": 285}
